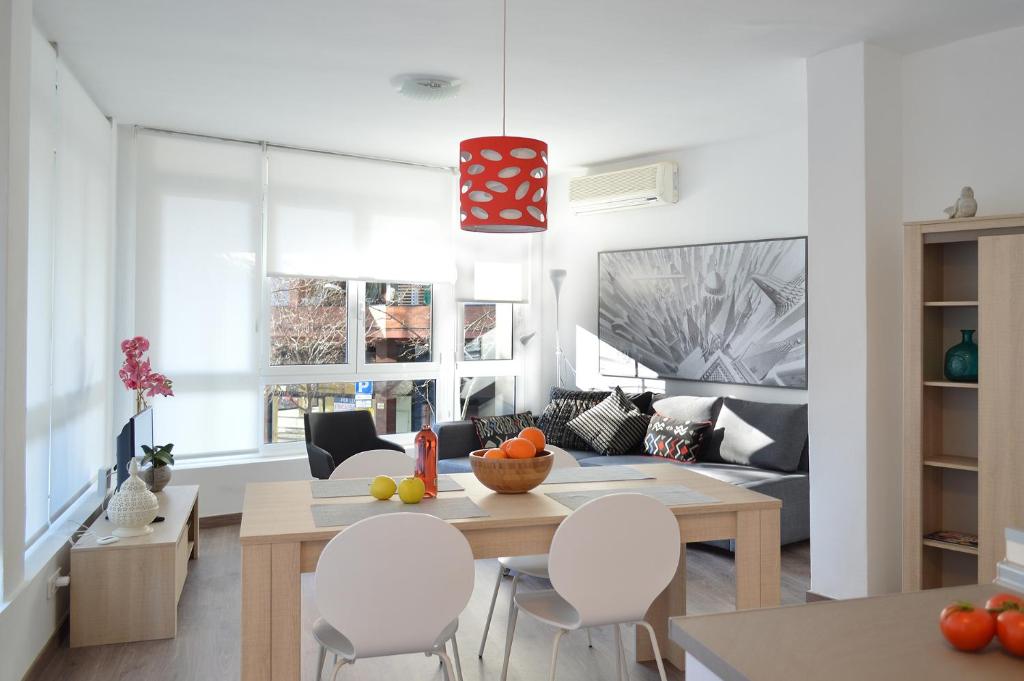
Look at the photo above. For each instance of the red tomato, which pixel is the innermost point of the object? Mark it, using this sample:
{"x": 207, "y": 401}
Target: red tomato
{"x": 1010, "y": 627}
{"x": 966, "y": 627}
{"x": 1000, "y": 602}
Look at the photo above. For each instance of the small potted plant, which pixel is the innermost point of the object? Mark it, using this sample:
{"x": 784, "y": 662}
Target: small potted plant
{"x": 160, "y": 460}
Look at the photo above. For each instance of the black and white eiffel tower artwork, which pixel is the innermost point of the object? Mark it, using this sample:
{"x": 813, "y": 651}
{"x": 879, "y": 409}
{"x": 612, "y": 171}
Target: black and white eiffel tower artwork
{"x": 723, "y": 313}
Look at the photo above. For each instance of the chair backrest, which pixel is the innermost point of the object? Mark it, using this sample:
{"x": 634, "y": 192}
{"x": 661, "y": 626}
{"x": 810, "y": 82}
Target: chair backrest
{"x": 375, "y": 462}
{"x": 612, "y": 557}
{"x": 563, "y": 459}
{"x": 392, "y": 583}
{"x": 344, "y": 433}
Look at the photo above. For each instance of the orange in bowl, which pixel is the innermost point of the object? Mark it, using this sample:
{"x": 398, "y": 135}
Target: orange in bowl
{"x": 536, "y": 436}
{"x": 519, "y": 448}
{"x": 495, "y": 454}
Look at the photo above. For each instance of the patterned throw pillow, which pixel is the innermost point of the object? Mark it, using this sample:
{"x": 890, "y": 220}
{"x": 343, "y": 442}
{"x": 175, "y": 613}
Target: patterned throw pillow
{"x": 493, "y": 430}
{"x": 612, "y": 427}
{"x": 564, "y": 406}
{"x": 674, "y": 439}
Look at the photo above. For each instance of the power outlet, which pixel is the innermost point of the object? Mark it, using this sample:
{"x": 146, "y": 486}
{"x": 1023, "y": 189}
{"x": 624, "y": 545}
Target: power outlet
{"x": 56, "y": 581}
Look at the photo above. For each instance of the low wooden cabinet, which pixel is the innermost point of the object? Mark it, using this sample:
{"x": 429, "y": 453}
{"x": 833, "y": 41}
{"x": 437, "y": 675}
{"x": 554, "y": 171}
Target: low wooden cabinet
{"x": 129, "y": 590}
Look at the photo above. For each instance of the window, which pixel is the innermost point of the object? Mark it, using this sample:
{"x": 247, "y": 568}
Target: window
{"x": 486, "y": 331}
{"x": 401, "y": 406}
{"x": 487, "y": 396}
{"x": 398, "y": 320}
{"x": 308, "y": 321}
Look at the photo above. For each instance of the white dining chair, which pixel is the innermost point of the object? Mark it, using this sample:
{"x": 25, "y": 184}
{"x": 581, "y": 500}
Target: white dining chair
{"x": 609, "y": 560}
{"x": 374, "y": 462}
{"x": 532, "y": 566}
{"x": 373, "y": 604}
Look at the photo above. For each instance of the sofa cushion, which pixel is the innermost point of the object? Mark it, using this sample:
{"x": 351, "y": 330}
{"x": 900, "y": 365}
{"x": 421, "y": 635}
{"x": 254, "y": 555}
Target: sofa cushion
{"x": 564, "y": 405}
{"x": 612, "y": 427}
{"x": 762, "y": 434}
{"x": 678, "y": 440}
{"x": 491, "y": 431}
{"x": 459, "y": 464}
{"x": 689, "y": 407}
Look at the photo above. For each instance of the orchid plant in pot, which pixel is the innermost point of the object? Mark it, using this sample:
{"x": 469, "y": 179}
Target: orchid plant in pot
{"x": 158, "y": 474}
{"x": 137, "y": 374}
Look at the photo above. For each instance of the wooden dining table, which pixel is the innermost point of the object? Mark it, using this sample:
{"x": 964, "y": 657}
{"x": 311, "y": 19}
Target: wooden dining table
{"x": 280, "y": 542}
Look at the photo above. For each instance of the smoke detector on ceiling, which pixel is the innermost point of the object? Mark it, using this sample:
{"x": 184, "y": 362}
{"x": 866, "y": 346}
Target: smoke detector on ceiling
{"x": 426, "y": 87}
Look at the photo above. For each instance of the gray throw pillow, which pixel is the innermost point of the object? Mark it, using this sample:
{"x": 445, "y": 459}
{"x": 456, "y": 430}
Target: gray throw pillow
{"x": 762, "y": 434}
{"x": 688, "y": 408}
{"x": 614, "y": 426}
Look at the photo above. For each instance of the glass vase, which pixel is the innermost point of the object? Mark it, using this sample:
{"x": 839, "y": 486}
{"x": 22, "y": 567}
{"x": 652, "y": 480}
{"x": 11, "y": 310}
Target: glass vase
{"x": 962, "y": 359}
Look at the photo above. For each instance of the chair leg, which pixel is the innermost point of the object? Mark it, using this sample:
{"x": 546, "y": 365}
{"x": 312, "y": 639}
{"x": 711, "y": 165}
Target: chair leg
{"x": 321, "y": 658}
{"x": 494, "y": 598}
{"x": 657, "y": 651}
{"x": 449, "y": 673}
{"x": 618, "y": 652}
{"x": 554, "y": 653}
{"x": 513, "y": 612}
{"x": 337, "y": 668}
{"x": 455, "y": 654}
{"x": 590, "y": 643}
{"x": 622, "y": 653}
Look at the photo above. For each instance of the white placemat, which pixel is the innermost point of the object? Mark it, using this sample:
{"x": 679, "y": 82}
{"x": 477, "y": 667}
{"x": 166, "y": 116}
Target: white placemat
{"x": 594, "y": 474}
{"x": 337, "y": 515}
{"x": 360, "y": 487}
{"x": 670, "y": 495}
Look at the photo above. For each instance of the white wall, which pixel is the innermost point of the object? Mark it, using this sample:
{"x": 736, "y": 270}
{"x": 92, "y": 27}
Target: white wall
{"x": 962, "y": 108}
{"x": 222, "y": 483}
{"x": 751, "y": 188}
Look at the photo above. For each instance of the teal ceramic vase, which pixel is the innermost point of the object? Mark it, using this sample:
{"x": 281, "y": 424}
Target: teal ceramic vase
{"x": 962, "y": 359}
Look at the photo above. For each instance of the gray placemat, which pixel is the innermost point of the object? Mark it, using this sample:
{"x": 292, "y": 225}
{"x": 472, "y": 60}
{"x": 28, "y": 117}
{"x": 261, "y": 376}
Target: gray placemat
{"x": 336, "y": 515}
{"x": 594, "y": 474}
{"x": 360, "y": 487}
{"x": 670, "y": 495}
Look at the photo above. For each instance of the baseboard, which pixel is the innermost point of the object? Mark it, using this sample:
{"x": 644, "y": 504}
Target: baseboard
{"x": 48, "y": 651}
{"x": 812, "y": 597}
{"x": 219, "y": 520}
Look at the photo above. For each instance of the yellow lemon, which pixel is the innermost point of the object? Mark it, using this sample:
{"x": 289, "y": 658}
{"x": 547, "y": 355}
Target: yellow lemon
{"x": 411, "y": 490}
{"x": 383, "y": 487}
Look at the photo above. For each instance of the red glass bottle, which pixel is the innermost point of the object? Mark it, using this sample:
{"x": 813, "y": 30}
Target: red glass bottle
{"x": 426, "y": 460}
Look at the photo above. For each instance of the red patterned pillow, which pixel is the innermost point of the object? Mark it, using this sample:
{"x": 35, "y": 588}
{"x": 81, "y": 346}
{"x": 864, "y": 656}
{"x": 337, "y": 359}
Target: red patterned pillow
{"x": 674, "y": 439}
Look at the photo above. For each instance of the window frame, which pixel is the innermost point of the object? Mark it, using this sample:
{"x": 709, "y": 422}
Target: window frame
{"x": 357, "y": 368}
{"x": 480, "y": 368}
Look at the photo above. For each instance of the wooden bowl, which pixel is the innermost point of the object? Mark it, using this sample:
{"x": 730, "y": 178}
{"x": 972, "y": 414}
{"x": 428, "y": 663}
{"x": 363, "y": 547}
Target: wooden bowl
{"x": 511, "y": 476}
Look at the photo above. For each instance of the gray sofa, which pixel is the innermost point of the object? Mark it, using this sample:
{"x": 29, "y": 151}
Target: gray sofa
{"x": 456, "y": 439}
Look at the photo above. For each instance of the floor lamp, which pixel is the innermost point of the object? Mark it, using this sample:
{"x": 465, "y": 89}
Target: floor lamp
{"x": 557, "y": 277}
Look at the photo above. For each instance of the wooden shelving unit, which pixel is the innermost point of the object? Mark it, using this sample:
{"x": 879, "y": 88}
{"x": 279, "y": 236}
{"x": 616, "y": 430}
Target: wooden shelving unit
{"x": 963, "y": 443}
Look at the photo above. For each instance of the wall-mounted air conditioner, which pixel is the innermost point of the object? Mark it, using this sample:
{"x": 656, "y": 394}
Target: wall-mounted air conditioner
{"x": 652, "y": 185}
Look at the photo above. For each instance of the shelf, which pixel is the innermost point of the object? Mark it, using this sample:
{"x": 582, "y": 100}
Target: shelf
{"x": 951, "y": 303}
{"x": 960, "y": 463}
{"x": 951, "y": 384}
{"x": 946, "y": 546}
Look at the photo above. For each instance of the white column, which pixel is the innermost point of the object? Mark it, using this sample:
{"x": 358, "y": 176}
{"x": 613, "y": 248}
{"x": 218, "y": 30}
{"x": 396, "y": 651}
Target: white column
{"x": 854, "y": 270}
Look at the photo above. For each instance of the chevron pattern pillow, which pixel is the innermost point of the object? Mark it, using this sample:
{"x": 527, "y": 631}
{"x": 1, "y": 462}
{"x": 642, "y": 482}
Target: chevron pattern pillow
{"x": 674, "y": 439}
{"x": 612, "y": 427}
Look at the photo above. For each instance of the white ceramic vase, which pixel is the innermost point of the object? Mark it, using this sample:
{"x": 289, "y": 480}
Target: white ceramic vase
{"x": 133, "y": 507}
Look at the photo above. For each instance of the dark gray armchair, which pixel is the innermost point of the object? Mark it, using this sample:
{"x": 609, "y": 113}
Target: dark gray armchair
{"x": 335, "y": 436}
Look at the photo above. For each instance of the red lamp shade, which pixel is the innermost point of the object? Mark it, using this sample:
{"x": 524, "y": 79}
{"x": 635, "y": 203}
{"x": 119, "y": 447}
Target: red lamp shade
{"x": 504, "y": 184}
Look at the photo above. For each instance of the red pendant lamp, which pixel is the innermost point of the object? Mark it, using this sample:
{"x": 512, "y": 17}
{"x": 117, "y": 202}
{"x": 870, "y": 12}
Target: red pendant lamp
{"x": 503, "y": 180}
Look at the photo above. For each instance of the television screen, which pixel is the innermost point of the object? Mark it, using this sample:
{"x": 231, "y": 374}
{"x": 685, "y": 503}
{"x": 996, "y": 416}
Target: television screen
{"x": 137, "y": 432}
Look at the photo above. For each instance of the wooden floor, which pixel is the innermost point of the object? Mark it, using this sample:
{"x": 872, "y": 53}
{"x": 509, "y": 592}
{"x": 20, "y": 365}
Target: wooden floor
{"x": 207, "y": 646}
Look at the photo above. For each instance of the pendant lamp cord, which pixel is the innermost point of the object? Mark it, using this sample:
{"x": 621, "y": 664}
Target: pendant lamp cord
{"x": 504, "y": 60}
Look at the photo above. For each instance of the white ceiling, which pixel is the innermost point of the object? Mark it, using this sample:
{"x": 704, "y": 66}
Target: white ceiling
{"x": 596, "y": 79}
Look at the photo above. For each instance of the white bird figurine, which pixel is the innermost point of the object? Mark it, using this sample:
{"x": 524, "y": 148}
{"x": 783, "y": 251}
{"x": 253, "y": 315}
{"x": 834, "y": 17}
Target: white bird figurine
{"x": 965, "y": 206}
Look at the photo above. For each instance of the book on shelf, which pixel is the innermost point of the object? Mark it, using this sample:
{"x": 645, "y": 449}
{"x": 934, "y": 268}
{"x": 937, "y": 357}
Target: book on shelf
{"x": 954, "y": 537}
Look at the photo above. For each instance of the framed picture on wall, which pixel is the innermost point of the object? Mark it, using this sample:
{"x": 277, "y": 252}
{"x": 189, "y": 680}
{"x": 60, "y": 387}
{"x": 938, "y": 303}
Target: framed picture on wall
{"x": 731, "y": 312}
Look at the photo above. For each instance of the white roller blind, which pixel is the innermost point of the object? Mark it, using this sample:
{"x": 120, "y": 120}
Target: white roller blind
{"x": 335, "y": 216}
{"x": 42, "y": 204}
{"x": 82, "y": 294}
{"x": 197, "y": 283}
{"x": 68, "y": 365}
